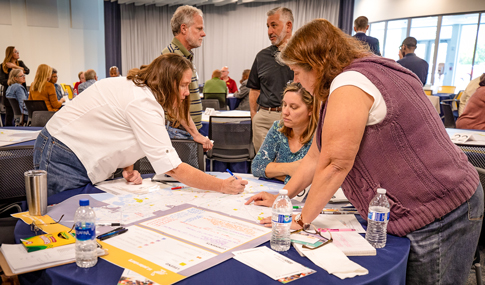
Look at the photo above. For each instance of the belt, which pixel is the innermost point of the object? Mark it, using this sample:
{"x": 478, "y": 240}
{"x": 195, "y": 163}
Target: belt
{"x": 273, "y": 109}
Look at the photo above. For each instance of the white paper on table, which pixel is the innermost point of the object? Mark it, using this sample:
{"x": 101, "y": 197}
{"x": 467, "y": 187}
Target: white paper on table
{"x": 333, "y": 260}
{"x": 339, "y": 197}
{"x": 269, "y": 262}
{"x": 338, "y": 222}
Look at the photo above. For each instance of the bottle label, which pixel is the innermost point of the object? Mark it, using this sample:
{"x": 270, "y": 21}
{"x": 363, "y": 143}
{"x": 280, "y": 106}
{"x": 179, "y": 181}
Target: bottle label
{"x": 283, "y": 219}
{"x": 86, "y": 232}
{"x": 378, "y": 216}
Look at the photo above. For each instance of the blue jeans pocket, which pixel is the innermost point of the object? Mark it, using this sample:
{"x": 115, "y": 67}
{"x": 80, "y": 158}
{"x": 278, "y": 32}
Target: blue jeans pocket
{"x": 475, "y": 205}
{"x": 39, "y": 147}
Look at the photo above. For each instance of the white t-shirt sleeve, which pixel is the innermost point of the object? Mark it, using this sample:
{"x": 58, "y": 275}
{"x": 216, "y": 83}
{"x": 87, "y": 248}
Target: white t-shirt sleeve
{"x": 146, "y": 118}
{"x": 378, "y": 111}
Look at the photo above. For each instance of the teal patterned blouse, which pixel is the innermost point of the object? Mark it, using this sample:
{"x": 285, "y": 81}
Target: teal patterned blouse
{"x": 275, "y": 148}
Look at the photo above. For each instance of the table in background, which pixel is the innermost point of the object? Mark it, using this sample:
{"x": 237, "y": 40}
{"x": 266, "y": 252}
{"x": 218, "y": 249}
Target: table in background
{"x": 31, "y": 142}
{"x": 231, "y": 101}
{"x": 387, "y": 267}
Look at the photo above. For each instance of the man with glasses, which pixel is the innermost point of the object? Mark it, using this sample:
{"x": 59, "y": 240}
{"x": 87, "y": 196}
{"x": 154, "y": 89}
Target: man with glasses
{"x": 268, "y": 76}
{"x": 409, "y": 59}
{"x": 53, "y": 80}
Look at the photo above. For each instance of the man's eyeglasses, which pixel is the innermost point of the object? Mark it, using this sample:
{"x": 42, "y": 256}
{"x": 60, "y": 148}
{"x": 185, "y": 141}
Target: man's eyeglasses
{"x": 36, "y": 229}
{"x": 312, "y": 230}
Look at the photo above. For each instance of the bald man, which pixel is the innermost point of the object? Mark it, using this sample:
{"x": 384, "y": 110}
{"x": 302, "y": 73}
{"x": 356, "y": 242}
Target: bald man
{"x": 91, "y": 78}
{"x": 230, "y": 83}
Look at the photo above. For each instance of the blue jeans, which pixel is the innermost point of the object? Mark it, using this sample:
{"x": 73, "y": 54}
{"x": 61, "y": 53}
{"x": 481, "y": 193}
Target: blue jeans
{"x": 442, "y": 252}
{"x": 64, "y": 170}
{"x": 178, "y": 134}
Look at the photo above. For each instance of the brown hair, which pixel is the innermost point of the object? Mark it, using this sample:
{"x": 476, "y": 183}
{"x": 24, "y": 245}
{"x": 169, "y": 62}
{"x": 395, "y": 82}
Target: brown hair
{"x": 43, "y": 72}
{"x": 216, "y": 73}
{"x": 482, "y": 80}
{"x": 245, "y": 75}
{"x": 79, "y": 75}
{"x": 309, "y": 101}
{"x": 89, "y": 74}
{"x": 8, "y": 58}
{"x": 163, "y": 76}
{"x": 13, "y": 74}
{"x": 361, "y": 23}
{"x": 324, "y": 48}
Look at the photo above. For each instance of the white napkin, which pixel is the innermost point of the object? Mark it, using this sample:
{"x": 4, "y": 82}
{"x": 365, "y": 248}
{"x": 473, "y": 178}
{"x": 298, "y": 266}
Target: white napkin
{"x": 333, "y": 260}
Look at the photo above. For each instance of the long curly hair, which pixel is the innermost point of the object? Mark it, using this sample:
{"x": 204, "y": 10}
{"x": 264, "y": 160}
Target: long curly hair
{"x": 324, "y": 48}
{"x": 163, "y": 76}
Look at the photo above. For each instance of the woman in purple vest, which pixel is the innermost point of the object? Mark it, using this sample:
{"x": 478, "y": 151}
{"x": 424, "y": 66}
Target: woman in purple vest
{"x": 379, "y": 130}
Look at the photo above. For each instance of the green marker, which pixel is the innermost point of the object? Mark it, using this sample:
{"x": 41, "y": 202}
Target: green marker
{"x": 297, "y": 207}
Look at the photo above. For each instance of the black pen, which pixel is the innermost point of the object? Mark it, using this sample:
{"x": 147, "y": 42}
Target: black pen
{"x": 110, "y": 235}
{"x": 115, "y": 230}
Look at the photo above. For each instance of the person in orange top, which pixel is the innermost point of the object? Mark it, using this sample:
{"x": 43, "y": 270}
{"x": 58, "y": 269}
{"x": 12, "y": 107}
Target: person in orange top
{"x": 41, "y": 89}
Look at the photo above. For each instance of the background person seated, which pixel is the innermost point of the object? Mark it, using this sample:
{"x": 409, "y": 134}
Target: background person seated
{"x": 215, "y": 84}
{"x": 289, "y": 139}
{"x": 243, "y": 93}
{"x": 42, "y": 89}
{"x": 82, "y": 79}
{"x": 114, "y": 72}
{"x": 231, "y": 84}
{"x": 474, "y": 115}
{"x": 16, "y": 90}
{"x": 91, "y": 78}
{"x": 53, "y": 80}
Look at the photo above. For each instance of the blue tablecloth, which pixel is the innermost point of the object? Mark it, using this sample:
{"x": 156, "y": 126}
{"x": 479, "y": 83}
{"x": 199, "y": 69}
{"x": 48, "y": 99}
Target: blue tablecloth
{"x": 387, "y": 267}
{"x": 233, "y": 102}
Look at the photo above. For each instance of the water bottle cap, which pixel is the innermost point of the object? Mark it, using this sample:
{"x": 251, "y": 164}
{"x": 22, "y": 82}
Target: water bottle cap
{"x": 283, "y": 192}
{"x": 84, "y": 202}
{"x": 381, "y": 190}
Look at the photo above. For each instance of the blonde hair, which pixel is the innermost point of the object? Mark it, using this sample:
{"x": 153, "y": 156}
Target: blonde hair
{"x": 13, "y": 75}
{"x": 43, "y": 73}
{"x": 311, "y": 104}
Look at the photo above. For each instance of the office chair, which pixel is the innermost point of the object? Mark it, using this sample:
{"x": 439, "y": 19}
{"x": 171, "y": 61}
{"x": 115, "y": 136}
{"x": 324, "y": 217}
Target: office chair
{"x": 210, "y": 103}
{"x": 233, "y": 138}
{"x": 219, "y": 96}
{"x": 68, "y": 88}
{"x": 40, "y": 118}
{"x": 446, "y": 89}
{"x": 449, "y": 118}
{"x": 17, "y": 113}
{"x": 189, "y": 152}
{"x": 33, "y": 106}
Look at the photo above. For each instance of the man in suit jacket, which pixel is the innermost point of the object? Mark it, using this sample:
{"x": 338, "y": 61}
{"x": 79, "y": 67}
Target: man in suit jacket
{"x": 361, "y": 25}
{"x": 411, "y": 61}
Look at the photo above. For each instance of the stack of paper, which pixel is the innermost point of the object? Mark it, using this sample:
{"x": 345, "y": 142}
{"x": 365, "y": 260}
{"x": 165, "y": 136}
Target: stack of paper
{"x": 21, "y": 261}
{"x": 271, "y": 263}
{"x": 350, "y": 243}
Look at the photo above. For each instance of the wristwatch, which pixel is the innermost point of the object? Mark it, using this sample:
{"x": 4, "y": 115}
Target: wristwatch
{"x": 299, "y": 221}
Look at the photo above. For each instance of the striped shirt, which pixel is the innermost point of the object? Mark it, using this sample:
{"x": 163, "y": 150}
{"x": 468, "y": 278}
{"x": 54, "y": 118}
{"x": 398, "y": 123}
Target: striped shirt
{"x": 176, "y": 47}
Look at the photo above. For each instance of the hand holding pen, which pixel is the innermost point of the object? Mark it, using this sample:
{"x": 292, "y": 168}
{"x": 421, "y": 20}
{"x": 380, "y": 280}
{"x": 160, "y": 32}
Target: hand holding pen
{"x": 233, "y": 186}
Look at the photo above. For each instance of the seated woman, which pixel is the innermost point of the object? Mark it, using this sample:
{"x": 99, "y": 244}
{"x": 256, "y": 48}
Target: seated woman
{"x": 17, "y": 91}
{"x": 473, "y": 116}
{"x": 289, "y": 139}
{"x": 118, "y": 121}
{"x": 42, "y": 89}
{"x": 243, "y": 93}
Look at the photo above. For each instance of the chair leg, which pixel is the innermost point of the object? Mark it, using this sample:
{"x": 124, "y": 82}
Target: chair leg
{"x": 478, "y": 272}
{"x": 210, "y": 163}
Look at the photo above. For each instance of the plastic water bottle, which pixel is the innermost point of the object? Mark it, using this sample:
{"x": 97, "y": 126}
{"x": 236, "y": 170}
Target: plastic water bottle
{"x": 75, "y": 93}
{"x": 377, "y": 220}
{"x": 281, "y": 218}
{"x": 85, "y": 224}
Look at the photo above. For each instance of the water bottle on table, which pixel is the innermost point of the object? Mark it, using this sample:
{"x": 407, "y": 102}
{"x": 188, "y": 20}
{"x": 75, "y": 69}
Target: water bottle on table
{"x": 377, "y": 220}
{"x": 85, "y": 225}
{"x": 281, "y": 218}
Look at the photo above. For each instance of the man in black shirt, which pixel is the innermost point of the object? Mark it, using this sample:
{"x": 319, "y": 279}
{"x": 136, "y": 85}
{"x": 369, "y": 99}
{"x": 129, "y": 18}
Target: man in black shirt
{"x": 268, "y": 76}
{"x": 411, "y": 61}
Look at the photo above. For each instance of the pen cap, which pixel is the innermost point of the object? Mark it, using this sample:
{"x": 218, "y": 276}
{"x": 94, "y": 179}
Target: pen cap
{"x": 83, "y": 202}
{"x": 283, "y": 192}
{"x": 381, "y": 190}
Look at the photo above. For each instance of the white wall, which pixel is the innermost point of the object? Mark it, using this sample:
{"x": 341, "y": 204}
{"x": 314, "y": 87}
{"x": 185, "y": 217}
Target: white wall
{"x": 378, "y": 10}
{"x": 73, "y": 46}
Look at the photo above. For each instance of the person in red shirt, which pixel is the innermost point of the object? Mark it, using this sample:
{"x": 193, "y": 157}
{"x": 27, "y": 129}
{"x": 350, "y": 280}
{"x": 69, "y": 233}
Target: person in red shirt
{"x": 230, "y": 83}
{"x": 81, "y": 80}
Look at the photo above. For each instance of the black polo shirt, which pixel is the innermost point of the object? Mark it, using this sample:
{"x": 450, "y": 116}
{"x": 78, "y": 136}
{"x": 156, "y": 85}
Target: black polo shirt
{"x": 270, "y": 77}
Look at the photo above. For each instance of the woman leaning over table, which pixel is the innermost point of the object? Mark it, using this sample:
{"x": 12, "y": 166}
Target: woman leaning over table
{"x": 378, "y": 129}
{"x": 11, "y": 62}
{"x": 42, "y": 89}
{"x": 118, "y": 121}
{"x": 17, "y": 91}
{"x": 289, "y": 139}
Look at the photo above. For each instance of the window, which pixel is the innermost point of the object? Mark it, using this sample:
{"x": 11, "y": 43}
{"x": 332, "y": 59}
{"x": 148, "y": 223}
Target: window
{"x": 479, "y": 65}
{"x": 396, "y": 33}
{"x": 377, "y": 31}
{"x": 424, "y": 30}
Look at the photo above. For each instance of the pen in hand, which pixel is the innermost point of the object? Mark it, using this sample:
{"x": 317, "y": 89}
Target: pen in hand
{"x": 232, "y": 174}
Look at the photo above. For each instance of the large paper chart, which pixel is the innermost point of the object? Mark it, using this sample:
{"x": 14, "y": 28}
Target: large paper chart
{"x": 207, "y": 229}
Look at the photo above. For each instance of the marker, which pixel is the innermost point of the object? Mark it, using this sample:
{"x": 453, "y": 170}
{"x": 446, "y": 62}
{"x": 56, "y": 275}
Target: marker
{"x": 297, "y": 207}
{"x": 337, "y": 230}
{"x": 110, "y": 224}
{"x": 339, "y": 210}
{"x": 178, "y": 187}
{"x": 231, "y": 174}
{"x": 339, "y": 213}
{"x": 110, "y": 235}
{"x": 112, "y": 231}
